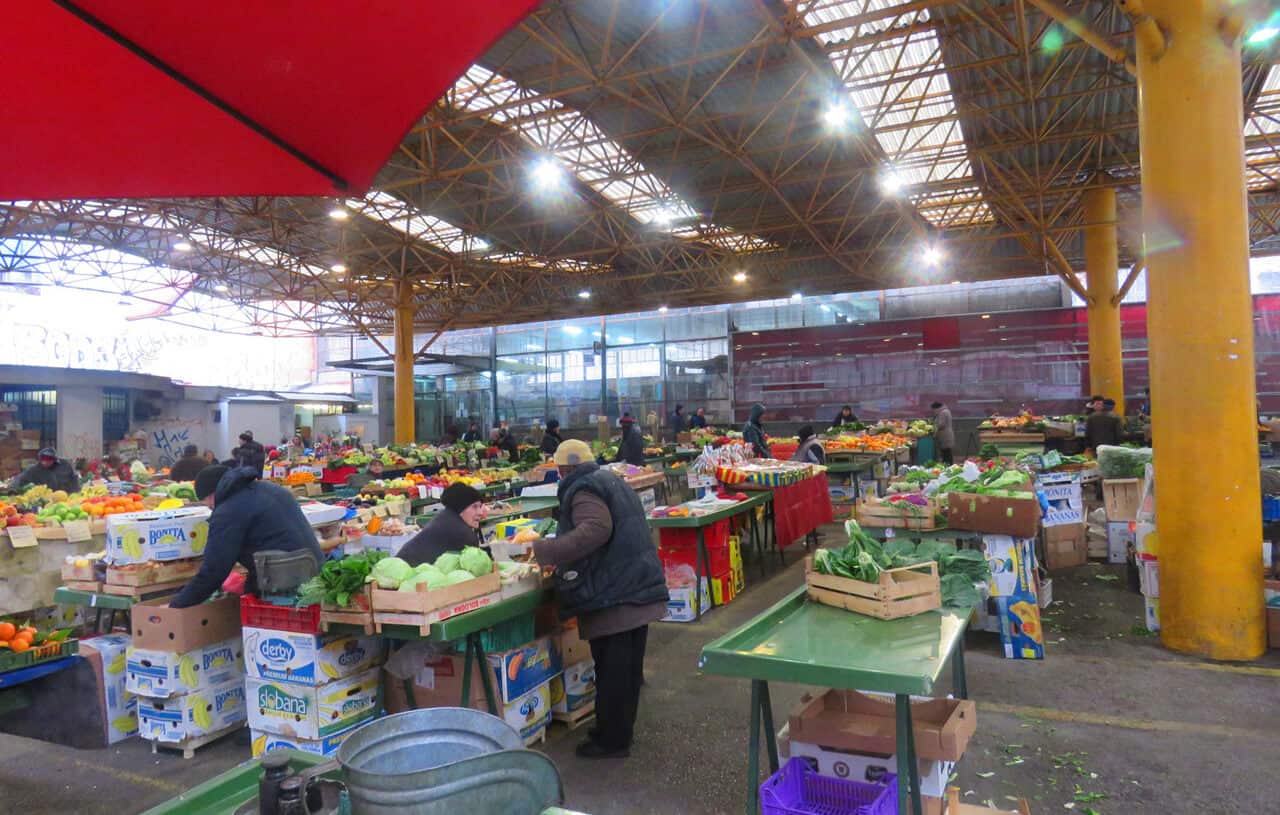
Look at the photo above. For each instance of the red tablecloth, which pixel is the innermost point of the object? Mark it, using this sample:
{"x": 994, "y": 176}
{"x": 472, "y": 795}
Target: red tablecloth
{"x": 800, "y": 508}
{"x": 338, "y": 476}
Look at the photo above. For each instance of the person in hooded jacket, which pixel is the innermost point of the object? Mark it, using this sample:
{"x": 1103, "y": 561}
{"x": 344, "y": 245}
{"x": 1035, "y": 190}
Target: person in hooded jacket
{"x": 753, "y": 431}
{"x": 607, "y": 575}
{"x": 845, "y": 416}
{"x": 250, "y": 453}
{"x": 456, "y": 526}
{"x": 551, "y": 438}
{"x": 631, "y": 448}
{"x": 249, "y": 515}
{"x": 50, "y": 471}
{"x": 810, "y": 450}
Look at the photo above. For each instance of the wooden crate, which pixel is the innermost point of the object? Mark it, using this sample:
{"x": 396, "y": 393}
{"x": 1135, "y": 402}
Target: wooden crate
{"x": 901, "y": 592}
{"x": 1121, "y": 496}
{"x": 144, "y": 592}
{"x": 956, "y": 807}
{"x": 881, "y": 513}
{"x": 359, "y": 613}
{"x": 998, "y": 437}
{"x": 153, "y": 572}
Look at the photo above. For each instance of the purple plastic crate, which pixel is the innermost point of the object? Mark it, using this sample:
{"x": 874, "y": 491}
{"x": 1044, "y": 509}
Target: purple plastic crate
{"x": 798, "y": 789}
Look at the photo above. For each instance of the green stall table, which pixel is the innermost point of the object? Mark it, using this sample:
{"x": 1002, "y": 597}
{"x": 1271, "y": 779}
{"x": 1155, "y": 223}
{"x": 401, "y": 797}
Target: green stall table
{"x": 701, "y": 522}
{"x": 100, "y": 602}
{"x": 852, "y": 470}
{"x": 226, "y": 793}
{"x": 812, "y": 644}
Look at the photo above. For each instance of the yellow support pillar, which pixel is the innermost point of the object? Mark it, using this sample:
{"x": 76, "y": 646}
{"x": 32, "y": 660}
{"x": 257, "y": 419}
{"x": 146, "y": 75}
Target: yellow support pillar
{"x": 1200, "y": 328}
{"x": 404, "y": 415}
{"x": 1102, "y": 267}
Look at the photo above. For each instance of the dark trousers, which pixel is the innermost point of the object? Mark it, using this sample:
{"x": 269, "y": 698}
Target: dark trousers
{"x": 619, "y": 662}
{"x": 944, "y": 455}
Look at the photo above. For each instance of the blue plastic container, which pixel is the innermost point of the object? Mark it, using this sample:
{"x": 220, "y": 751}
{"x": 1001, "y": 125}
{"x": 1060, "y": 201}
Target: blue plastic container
{"x": 798, "y": 789}
{"x": 1270, "y": 508}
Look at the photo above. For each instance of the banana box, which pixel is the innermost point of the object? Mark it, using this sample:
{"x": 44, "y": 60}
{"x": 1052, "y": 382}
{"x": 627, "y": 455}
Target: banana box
{"x": 192, "y": 714}
{"x": 307, "y": 659}
{"x": 106, "y": 654}
{"x": 261, "y": 742}
{"x": 530, "y": 712}
{"x": 574, "y": 689}
{"x": 137, "y": 537}
{"x": 168, "y": 673}
{"x": 307, "y": 712}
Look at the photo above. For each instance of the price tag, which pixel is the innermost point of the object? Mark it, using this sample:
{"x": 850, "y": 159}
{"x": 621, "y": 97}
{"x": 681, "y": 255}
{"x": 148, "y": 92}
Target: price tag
{"x": 380, "y": 510}
{"x": 22, "y": 537}
{"x": 364, "y": 514}
{"x": 697, "y": 480}
{"x": 1051, "y": 459}
{"x": 77, "y": 531}
{"x": 436, "y": 492}
{"x": 422, "y": 491}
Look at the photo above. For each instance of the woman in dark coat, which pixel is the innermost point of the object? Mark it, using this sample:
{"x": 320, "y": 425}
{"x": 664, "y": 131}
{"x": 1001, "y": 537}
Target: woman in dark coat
{"x": 845, "y": 416}
{"x": 551, "y": 438}
{"x": 631, "y": 448}
{"x": 456, "y": 525}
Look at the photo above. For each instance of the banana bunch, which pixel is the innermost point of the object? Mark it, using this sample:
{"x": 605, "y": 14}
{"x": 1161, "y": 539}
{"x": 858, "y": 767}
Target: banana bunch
{"x": 117, "y": 663}
{"x": 187, "y": 671}
{"x": 131, "y": 542}
{"x": 199, "y": 536}
{"x": 125, "y": 724}
{"x": 200, "y": 712}
{"x": 328, "y": 670}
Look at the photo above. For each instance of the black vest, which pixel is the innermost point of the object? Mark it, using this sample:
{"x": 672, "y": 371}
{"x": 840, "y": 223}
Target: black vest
{"x": 626, "y": 570}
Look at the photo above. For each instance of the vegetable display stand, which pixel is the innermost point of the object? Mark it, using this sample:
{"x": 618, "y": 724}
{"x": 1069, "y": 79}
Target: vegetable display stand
{"x": 422, "y": 607}
{"x": 901, "y": 592}
{"x": 901, "y": 514}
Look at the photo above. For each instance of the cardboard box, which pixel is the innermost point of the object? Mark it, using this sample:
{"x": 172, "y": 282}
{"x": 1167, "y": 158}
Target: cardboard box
{"x": 1012, "y": 563}
{"x": 163, "y": 674}
{"x": 106, "y": 655}
{"x": 307, "y": 659}
{"x": 1019, "y": 517}
{"x": 522, "y": 669}
{"x": 1065, "y": 546}
{"x": 136, "y": 537}
{"x": 574, "y": 689}
{"x": 1122, "y": 497}
{"x": 1148, "y": 576}
{"x": 310, "y": 712}
{"x": 529, "y": 712}
{"x": 156, "y": 627}
{"x": 509, "y": 527}
{"x": 682, "y": 604}
{"x": 869, "y": 768}
{"x": 1273, "y": 626}
{"x": 438, "y": 683}
{"x": 573, "y": 649}
{"x": 1021, "y": 632}
{"x": 192, "y": 714}
{"x": 261, "y": 741}
{"x": 1066, "y": 501}
{"x": 1151, "y": 613}
{"x": 1121, "y": 538}
{"x": 854, "y": 722}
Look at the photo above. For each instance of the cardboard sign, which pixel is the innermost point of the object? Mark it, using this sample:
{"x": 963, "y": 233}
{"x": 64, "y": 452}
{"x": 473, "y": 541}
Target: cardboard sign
{"x": 77, "y": 531}
{"x": 697, "y": 480}
{"x": 380, "y": 510}
{"x": 22, "y": 537}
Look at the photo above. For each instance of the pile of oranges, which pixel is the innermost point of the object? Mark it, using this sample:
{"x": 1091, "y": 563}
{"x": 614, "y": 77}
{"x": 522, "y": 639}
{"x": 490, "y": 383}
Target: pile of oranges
{"x": 16, "y": 639}
{"x": 103, "y": 505}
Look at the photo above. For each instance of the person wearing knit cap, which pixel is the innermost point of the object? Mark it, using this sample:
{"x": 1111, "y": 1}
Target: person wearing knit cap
{"x": 249, "y": 515}
{"x": 456, "y": 526}
{"x": 631, "y": 447}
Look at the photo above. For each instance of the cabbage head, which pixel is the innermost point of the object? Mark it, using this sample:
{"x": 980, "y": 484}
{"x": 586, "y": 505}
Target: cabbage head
{"x": 432, "y": 578}
{"x": 390, "y": 572}
{"x": 475, "y": 560}
{"x": 458, "y": 576}
{"x": 425, "y": 567}
{"x": 447, "y": 562}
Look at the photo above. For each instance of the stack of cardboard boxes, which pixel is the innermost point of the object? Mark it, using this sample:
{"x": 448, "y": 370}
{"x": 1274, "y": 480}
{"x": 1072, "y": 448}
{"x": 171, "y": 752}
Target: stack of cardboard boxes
{"x": 524, "y": 676}
{"x": 187, "y": 669}
{"x": 307, "y": 691}
{"x": 573, "y": 693}
{"x": 1012, "y": 603}
{"x": 678, "y": 550}
{"x": 18, "y": 447}
{"x": 1065, "y": 538}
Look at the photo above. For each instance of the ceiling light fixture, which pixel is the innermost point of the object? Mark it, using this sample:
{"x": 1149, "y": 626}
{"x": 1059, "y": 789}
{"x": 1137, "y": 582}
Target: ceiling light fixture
{"x": 337, "y": 268}
{"x": 339, "y": 214}
{"x": 221, "y": 288}
{"x": 584, "y": 295}
{"x": 797, "y": 297}
{"x": 986, "y": 316}
{"x": 890, "y": 182}
{"x": 837, "y": 115}
{"x": 662, "y": 309}
{"x": 932, "y": 256}
{"x": 547, "y": 173}
{"x": 182, "y": 246}
{"x": 740, "y": 277}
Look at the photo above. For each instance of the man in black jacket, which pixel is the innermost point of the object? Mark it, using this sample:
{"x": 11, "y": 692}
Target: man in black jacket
{"x": 250, "y": 453}
{"x": 551, "y": 438}
{"x": 607, "y": 575}
{"x": 631, "y": 448}
{"x": 50, "y": 471}
{"x": 185, "y": 468}
{"x": 249, "y": 515}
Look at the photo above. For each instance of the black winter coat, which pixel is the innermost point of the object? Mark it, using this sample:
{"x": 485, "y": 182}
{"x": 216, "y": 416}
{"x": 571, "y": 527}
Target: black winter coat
{"x": 631, "y": 448}
{"x": 61, "y": 476}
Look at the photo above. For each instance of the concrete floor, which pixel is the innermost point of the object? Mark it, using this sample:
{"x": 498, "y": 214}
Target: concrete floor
{"x": 1108, "y": 712}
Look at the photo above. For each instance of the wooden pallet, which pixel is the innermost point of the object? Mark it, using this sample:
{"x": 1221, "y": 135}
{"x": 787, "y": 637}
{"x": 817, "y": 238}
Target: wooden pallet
{"x": 189, "y": 746}
{"x": 144, "y": 592}
{"x": 576, "y": 718}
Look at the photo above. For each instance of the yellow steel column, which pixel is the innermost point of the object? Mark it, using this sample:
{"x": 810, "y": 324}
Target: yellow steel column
{"x": 404, "y": 414}
{"x": 1102, "y": 267}
{"x": 1200, "y": 327}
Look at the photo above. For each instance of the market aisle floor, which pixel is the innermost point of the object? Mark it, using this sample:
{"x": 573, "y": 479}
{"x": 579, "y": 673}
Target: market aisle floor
{"x": 1109, "y": 712}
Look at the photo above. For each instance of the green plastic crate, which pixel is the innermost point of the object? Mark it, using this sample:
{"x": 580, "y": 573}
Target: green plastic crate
{"x": 10, "y": 661}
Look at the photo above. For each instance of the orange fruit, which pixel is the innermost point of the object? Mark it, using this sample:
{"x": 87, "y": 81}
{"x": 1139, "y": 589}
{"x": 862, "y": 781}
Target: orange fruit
{"x": 29, "y": 629}
{"x": 7, "y": 631}
{"x": 18, "y": 645}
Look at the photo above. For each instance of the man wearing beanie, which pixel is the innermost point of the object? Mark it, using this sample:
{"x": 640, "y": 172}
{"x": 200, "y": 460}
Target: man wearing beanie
{"x": 249, "y": 515}
{"x": 607, "y": 575}
{"x": 455, "y": 526}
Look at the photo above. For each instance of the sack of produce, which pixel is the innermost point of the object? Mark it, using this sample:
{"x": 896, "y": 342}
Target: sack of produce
{"x": 1123, "y": 462}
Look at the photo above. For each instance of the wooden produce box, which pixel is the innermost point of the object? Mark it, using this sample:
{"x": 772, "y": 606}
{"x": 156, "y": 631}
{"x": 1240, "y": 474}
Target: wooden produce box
{"x": 424, "y": 607}
{"x": 875, "y": 512}
{"x": 994, "y": 515}
{"x": 153, "y": 572}
{"x": 901, "y": 592}
{"x": 956, "y": 807}
{"x": 70, "y": 571}
{"x": 359, "y": 612}
{"x": 855, "y": 722}
{"x": 1121, "y": 497}
{"x": 998, "y": 437}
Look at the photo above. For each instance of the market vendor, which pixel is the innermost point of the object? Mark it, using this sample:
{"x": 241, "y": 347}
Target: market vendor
{"x": 551, "y": 437}
{"x": 631, "y": 448}
{"x": 250, "y": 453}
{"x": 502, "y": 439}
{"x": 249, "y": 515}
{"x": 372, "y": 472}
{"x": 676, "y": 420}
{"x": 810, "y": 450}
{"x": 473, "y": 432}
{"x": 944, "y": 433}
{"x": 698, "y": 420}
{"x": 753, "y": 431}
{"x": 607, "y": 575}
{"x": 50, "y": 471}
{"x": 845, "y": 416}
{"x": 185, "y": 468}
{"x": 456, "y": 526}
{"x": 1103, "y": 427}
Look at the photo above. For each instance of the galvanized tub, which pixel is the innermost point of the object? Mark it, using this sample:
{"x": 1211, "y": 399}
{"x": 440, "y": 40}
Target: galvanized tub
{"x": 441, "y": 761}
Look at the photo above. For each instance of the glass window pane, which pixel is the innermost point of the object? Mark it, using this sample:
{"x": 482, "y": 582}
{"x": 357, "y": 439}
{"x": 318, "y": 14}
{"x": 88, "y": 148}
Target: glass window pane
{"x": 570, "y": 334}
{"x": 635, "y": 382}
{"x": 694, "y": 323}
{"x": 519, "y": 339}
{"x": 698, "y": 376}
{"x": 574, "y": 387}
{"x": 637, "y": 330}
{"x": 522, "y": 389}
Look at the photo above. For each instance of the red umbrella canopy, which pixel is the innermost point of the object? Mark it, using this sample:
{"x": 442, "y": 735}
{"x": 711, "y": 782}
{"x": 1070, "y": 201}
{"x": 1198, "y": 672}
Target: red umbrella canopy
{"x": 158, "y": 99}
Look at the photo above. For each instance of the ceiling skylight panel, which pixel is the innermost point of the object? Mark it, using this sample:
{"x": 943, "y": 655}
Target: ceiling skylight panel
{"x": 399, "y": 215}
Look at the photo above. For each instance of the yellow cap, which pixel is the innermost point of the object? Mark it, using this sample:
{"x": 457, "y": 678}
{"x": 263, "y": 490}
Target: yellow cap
{"x": 572, "y": 452}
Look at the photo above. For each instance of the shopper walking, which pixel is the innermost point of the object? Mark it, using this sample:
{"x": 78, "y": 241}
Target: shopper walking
{"x": 631, "y": 448}
{"x": 607, "y": 575}
{"x": 249, "y": 515}
{"x": 698, "y": 420}
{"x": 753, "y": 431}
{"x": 845, "y": 416}
{"x": 185, "y": 468}
{"x": 551, "y": 437}
{"x": 810, "y": 450}
{"x": 944, "y": 434}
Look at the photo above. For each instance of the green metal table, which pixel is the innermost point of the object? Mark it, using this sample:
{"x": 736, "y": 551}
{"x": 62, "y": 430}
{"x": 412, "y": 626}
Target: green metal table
{"x": 227, "y": 792}
{"x": 809, "y": 643}
{"x": 110, "y": 603}
{"x": 702, "y": 566}
{"x": 852, "y": 469}
{"x": 466, "y": 626}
